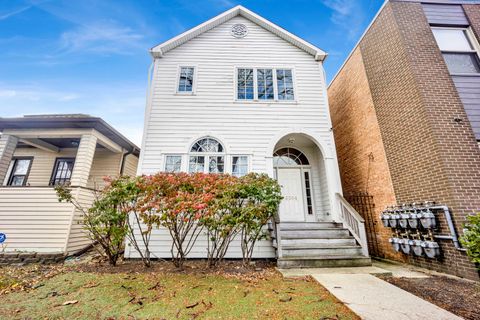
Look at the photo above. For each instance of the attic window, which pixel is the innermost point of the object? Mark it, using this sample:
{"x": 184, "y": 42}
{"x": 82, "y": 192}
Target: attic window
{"x": 239, "y": 30}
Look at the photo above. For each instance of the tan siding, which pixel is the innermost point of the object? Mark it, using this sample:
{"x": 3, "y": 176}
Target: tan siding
{"x": 105, "y": 163}
{"x": 130, "y": 166}
{"x": 34, "y": 220}
{"x": 83, "y": 162}
{"x": 7, "y": 148}
{"x": 78, "y": 237}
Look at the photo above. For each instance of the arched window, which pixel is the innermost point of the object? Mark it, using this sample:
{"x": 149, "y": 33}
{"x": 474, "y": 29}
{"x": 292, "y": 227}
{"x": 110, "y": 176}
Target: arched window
{"x": 289, "y": 157}
{"x": 207, "y": 155}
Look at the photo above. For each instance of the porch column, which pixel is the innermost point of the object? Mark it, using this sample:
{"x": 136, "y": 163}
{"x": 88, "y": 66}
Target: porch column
{"x": 334, "y": 186}
{"x": 83, "y": 160}
{"x": 8, "y": 144}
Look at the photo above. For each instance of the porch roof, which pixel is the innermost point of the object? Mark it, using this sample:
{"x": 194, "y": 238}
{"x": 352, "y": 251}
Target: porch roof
{"x": 69, "y": 121}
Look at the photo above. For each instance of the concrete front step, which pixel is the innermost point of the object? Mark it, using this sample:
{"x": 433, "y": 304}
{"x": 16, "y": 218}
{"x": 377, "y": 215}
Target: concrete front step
{"x": 288, "y": 252}
{"x": 316, "y": 234}
{"x": 349, "y": 241}
{"x": 309, "y": 225}
{"x": 324, "y": 262}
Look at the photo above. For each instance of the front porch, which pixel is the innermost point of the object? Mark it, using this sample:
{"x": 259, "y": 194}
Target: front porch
{"x": 315, "y": 226}
{"x": 36, "y": 156}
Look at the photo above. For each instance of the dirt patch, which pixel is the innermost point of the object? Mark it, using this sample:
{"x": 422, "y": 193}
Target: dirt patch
{"x": 458, "y": 296}
{"x": 260, "y": 269}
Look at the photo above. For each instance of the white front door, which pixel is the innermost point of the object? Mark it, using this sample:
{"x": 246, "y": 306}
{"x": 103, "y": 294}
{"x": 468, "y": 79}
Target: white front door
{"x": 292, "y": 206}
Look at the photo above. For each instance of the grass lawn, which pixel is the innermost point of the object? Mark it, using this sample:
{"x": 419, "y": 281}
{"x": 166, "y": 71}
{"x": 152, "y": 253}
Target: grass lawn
{"x": 133, "y": 293}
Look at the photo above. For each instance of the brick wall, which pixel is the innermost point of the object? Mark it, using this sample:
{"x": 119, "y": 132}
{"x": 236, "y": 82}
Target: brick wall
{"x": 430, "y": 156}
{"x": 360, "y": 152}
{"x": 473, "y": 15}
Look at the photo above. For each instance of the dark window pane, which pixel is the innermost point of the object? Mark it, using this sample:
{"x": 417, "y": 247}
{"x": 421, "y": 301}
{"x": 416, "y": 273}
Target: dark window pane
{"x": 462, "y": 62}
{"x": 62, "y": 171}
{"x": 216, "y": 164}
{"x": 17, "y": 181}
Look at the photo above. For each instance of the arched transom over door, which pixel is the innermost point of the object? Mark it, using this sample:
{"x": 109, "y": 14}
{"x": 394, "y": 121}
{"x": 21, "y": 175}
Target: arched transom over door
{"x": 293, "y": 174}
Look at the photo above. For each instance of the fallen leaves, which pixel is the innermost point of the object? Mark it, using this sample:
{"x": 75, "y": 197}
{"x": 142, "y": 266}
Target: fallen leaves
{"x": 285, "y": 299}
{"x": 67, "y": 303}
{"x": 26, "y": 278}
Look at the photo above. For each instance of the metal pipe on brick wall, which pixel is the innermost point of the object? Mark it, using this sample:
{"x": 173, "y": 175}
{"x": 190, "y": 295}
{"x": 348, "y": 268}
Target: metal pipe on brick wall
{"x": 453, "y": 233}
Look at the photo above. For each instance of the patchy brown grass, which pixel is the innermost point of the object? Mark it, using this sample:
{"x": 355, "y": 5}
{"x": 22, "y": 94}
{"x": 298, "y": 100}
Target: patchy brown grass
{"x": 92, "y": 291}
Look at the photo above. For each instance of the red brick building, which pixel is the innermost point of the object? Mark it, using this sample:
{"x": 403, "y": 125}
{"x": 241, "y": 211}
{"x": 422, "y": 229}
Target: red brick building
{"x": 405, "y": 108}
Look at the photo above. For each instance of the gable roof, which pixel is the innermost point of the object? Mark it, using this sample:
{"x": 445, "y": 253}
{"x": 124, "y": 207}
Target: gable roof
{"x": 159, "y": 50}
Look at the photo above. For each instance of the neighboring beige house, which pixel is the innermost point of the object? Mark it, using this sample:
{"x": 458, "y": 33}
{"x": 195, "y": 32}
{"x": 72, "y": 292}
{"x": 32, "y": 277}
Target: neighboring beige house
{"x": 40, "y": 151}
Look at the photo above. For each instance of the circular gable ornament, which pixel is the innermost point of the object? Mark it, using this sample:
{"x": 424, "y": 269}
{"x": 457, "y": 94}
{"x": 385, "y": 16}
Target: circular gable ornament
{"x": 239, "y": 30}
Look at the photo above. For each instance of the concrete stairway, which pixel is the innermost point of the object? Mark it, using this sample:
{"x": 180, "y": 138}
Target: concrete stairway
{"x": 316, "y": 245}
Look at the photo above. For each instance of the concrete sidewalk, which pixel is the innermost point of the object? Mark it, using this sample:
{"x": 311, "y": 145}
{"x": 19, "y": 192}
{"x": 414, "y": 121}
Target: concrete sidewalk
{"x": 372, "y": 298}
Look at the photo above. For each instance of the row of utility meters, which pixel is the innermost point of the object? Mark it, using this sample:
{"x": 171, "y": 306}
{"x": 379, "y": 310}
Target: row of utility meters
{"x": 431, "y": 249}
{"x": 412, "y": 218}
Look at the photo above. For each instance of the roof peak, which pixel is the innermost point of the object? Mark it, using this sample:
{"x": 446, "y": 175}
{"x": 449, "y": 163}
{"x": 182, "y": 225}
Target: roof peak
{"x": 159, "y": 50}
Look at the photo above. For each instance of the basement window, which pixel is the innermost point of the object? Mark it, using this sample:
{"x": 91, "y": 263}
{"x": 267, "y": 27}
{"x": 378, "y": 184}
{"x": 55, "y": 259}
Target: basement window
{"x": 459, "y": 49}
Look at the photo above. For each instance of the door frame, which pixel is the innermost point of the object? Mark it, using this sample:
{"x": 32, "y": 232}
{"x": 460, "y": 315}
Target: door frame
{"x": 302, "y": 169}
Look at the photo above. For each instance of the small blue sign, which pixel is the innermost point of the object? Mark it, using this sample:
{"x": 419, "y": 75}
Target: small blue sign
{"x": 3, "y": 237}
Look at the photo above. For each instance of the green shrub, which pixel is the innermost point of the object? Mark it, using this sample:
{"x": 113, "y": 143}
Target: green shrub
{"x": 471, "y": 238}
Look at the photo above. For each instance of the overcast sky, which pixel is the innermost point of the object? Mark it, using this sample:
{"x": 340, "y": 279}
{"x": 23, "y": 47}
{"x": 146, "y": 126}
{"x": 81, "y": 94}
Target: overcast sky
{"x": 92, "y": 56}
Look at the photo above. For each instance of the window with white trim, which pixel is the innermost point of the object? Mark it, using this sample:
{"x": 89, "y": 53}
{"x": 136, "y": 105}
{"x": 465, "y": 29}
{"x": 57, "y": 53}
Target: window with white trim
{"x": 173, "y": 163}
{"x": 239, "y": 165}
{"x": 458, "y": 49}
{"x": 207, "y": 155}
{"x": 186, "y": 78}
{"x": 265, "y": 84}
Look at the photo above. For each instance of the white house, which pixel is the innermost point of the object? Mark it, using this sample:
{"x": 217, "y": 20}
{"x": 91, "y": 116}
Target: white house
{"x": 239, "y": 94}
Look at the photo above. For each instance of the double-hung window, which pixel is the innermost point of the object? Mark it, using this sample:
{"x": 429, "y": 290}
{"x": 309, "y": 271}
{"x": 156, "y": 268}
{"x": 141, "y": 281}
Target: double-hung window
{"x": 173, "y": 163}
{"x": 186, "y": 78}
{"x": 245, "y": 84}
{"x": 265, "y": 84}
{"x": 239, "y": 165}
{"x": 20, "y": 167}
{"x": 62, "y": 171}
{"x": 207, "y": 156}
{"x": 459, "y": 49}
{"x": 285, "y": 84}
